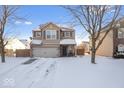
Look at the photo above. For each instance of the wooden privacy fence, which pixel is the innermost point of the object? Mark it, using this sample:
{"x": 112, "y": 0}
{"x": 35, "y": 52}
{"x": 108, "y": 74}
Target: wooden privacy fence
{"x": 9, "y": 52}
{"x": 23, "y": 53}
{"x": 80, "y": 51}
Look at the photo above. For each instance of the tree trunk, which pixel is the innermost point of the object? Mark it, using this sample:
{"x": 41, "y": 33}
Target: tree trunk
{"x": 2, "y": 52}
{"x": 3, "y": 56}
{"x": 93, "y": 51}
{"x": 93, "y": 54}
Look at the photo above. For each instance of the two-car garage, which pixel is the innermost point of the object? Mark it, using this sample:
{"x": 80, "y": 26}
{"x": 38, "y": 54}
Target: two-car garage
{"x": 46, "y": 52}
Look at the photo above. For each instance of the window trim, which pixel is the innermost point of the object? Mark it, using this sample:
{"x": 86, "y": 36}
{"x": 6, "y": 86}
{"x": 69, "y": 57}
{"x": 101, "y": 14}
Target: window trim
{"x": 65, "y": 34}
{"x": 51, "y": 34}
{"x": 121, "y": 46}
{"x": 37, "y": 34}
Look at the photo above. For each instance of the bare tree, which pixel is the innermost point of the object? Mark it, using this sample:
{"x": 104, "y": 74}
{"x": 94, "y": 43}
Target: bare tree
{"x": 7, "y": 14}
{"x": 94, "y": 19}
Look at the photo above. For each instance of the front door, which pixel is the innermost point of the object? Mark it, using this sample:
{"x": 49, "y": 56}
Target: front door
{"x": 64, "y": 51}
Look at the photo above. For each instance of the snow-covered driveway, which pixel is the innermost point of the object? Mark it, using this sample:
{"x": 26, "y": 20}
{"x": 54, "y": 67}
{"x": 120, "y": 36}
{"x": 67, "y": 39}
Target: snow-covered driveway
{"x": 29, "y": 75}
{"x": 62, "y": 72}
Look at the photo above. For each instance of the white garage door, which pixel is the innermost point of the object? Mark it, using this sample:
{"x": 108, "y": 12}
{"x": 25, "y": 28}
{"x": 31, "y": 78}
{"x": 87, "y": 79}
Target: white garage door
{"x": 45, "y": 52}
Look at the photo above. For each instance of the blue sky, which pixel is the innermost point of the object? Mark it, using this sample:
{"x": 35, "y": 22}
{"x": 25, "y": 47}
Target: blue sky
{"x": 37, "y": 15}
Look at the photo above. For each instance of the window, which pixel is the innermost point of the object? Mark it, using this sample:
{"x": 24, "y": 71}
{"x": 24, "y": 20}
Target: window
{"x": 121, "y": 33}
{"x": 38, "y": 34}
{"x": 120, "y": 48}
{"x": 67, "y": 34}
{"x": 51, "y": 34}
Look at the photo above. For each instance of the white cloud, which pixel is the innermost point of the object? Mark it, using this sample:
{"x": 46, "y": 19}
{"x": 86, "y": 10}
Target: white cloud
{"x": 18, "y": 22}
{"x": 25, "y": 22}
{"x": 28, "y": 22}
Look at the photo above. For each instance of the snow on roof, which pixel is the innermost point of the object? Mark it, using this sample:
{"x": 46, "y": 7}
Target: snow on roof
{"x": 24, "y": 41}
{"x": 63, "y": 29}
{"x": 66, "y": 29}
{"x": 68, "y": 41}
{"x": 37, "y": 42}
{"x": 37, "y": 29}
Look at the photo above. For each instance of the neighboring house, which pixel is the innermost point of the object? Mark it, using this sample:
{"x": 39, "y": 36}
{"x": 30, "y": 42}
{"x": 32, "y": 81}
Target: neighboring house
{"x": 14, "y": 43}
{"x": 113, "y": 44}
{"x": 51, "y": 40}
{"x": 26, "y": 43}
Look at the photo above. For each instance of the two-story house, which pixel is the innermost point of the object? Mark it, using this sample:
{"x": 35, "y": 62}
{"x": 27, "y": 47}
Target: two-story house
{"x": 118, "y": 40}
{"x": 113, "y": 44}
{"x": 51, "y": 40}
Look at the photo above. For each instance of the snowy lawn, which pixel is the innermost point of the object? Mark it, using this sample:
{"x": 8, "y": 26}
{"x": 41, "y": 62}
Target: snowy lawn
{"x": 66, "y": 72}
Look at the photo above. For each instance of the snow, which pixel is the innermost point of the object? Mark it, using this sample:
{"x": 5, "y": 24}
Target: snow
{"x": 37, "y": 29}
{"x": 37, "y": 42}
{"x": 63, "y": 72}
{"x": 66, "y": 29}
{"x": 67, "y": 41}
{"x": 78, "y": 72}
{"x": 11, "y": 62}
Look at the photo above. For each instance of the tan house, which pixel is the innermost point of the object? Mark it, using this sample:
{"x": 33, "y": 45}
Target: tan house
{"x": 51, "y": 40}
{"x": 113, "y": 44}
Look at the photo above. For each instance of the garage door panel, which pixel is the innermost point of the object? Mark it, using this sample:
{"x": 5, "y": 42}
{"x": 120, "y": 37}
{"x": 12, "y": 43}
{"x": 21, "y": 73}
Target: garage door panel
{"x": 45, "y": 52}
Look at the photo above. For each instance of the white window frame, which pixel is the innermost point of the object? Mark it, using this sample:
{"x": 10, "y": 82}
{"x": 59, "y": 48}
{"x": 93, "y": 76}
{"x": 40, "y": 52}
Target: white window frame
{"x": 37, "y": 34}
{"x": 121, "y": 33}
{"x": 51, "y": 34}
{"x": 67, "y": 34}
{"x": 121, "y": 48}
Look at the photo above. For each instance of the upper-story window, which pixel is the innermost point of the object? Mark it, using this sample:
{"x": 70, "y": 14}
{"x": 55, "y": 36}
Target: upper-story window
{"x": 121, "y": 33}
{"x": 51, "y": 34}
{"x": 67, "y": 34}
{"x": 38, "y": 34}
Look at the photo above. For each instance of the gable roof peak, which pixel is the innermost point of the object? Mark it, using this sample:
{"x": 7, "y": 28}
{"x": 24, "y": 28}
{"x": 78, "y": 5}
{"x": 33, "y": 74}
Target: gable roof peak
{"x": 43, "y": 25}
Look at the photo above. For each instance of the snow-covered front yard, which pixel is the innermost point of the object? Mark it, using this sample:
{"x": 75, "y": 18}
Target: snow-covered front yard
{"x": 62, "y": 72}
